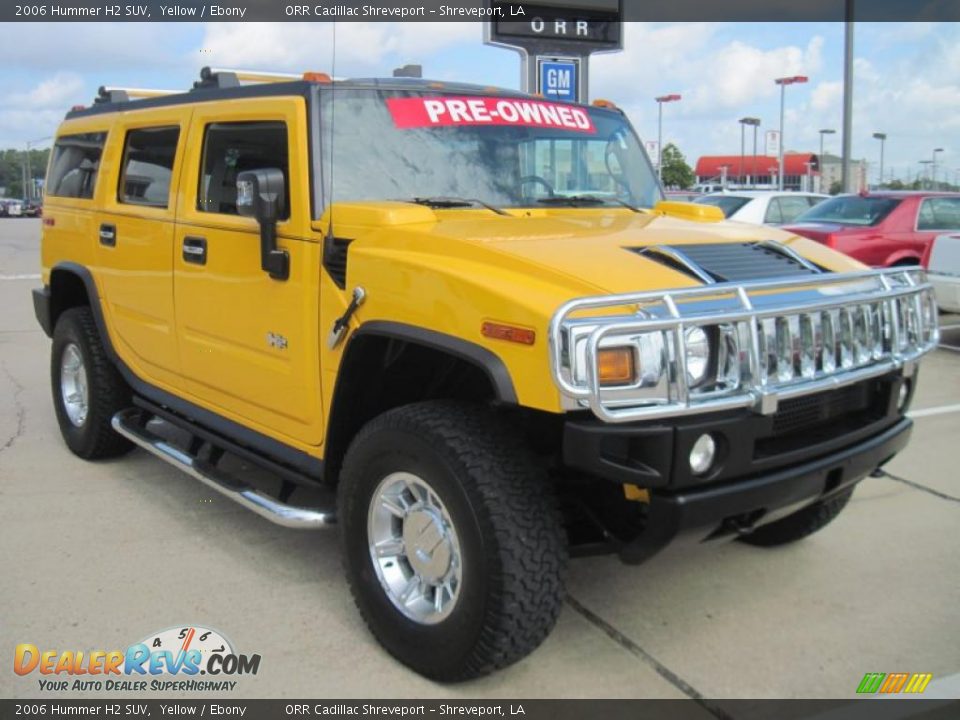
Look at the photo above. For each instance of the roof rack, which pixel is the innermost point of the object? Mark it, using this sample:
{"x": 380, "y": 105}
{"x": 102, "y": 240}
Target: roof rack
{"x": 211, "y": 77}
{"x": 111, "y": 94}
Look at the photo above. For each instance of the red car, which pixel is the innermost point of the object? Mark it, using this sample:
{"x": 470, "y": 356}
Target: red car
{"x": 881, "y": 229}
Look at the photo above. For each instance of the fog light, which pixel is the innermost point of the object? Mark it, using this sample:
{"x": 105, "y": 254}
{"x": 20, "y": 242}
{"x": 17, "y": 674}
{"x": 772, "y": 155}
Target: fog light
{"x": 703, "y": 453}
{"x": 904, "y": 395}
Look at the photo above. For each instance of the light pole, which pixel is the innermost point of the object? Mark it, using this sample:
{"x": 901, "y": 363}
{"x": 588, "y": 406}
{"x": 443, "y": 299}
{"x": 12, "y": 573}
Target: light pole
{"x": 882, "y": 137}
{"x": 28, "y": 171}
{"x": 823, "y": 132}
{"x": 933, "y": 169}
{"x": 783, "y": 82}
{"x": 755, "y": 122}
{"x": 673, "y": 97}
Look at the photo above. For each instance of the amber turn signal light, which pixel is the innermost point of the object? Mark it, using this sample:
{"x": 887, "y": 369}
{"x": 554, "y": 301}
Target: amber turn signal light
{"x": 510, "y": 333}
{"x": 615, "y": 366}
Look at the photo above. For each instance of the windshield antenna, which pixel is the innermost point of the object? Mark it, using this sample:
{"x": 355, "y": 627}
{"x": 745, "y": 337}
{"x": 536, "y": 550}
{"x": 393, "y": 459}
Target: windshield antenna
{"x": 333, "y": 114}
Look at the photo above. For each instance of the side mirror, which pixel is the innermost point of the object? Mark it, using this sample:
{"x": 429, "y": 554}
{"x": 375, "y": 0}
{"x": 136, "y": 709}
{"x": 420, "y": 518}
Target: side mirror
{"x": 260, "y": 195}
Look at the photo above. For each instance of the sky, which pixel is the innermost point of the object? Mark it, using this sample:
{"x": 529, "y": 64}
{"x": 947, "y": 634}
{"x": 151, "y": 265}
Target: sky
{"x": 907, "y": 75}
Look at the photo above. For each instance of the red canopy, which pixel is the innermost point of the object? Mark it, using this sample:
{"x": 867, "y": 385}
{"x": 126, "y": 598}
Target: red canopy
{"x": 793, "y": 164}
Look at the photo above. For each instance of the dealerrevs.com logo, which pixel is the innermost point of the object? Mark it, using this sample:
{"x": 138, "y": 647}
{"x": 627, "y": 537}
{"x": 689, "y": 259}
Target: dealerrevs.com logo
{"x": 170, "y": 660}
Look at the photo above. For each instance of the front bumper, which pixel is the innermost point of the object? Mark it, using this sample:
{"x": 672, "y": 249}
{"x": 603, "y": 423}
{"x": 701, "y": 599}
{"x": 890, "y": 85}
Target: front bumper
{"x": 694, "y": 516}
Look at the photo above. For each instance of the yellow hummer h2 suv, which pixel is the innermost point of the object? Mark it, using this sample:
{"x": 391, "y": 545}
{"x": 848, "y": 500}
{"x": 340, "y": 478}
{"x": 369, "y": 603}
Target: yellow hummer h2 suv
{"x": 462, "y": 324}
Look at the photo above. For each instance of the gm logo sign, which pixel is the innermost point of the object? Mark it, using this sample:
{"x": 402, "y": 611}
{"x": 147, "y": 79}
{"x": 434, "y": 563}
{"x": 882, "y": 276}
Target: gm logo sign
{"x": 557, "y": 79}
{"x": 893, "y": 683}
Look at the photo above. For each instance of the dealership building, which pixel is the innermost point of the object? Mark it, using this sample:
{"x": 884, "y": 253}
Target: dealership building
{"x": 801, "y": 171}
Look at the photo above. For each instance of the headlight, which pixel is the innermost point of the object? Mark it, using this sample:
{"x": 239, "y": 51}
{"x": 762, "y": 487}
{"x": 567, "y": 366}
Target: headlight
{"x": 698, "y": 355}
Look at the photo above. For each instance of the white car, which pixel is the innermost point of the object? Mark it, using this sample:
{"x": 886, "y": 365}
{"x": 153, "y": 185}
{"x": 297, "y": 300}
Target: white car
{"x": 11, "y": 208}
{"x": 943, "y": 270}
{"x": 762, "y": 207}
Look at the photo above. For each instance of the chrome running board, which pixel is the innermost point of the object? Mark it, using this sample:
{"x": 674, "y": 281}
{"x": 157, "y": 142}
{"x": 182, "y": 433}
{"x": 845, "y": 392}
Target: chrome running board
{"x": 131, "y": 425}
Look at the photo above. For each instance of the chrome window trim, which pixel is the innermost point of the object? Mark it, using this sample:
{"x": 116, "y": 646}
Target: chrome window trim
{"x": 886, "y": 313}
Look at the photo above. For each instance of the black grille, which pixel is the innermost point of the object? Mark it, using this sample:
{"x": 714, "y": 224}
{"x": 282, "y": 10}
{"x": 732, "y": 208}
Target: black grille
{"x": 335, "y": 259}
{"x": 734, "y": 262}
{"x": 811, "y": 419}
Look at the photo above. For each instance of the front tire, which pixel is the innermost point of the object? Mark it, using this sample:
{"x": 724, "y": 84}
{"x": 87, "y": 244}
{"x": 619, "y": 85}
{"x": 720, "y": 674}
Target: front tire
{"x": 799, "y": 525}
{"x": 453, "y": 546}
{"x": 87, "y": 388}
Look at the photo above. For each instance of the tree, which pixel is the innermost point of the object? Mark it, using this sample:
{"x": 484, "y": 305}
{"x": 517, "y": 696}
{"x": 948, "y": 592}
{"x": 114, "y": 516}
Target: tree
{"x": 836, "y": 187}
{"x": 676, "y": 173}
{"x": 12, "y": 167}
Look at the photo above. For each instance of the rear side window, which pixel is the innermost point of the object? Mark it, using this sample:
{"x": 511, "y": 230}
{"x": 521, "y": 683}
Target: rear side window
{"x": 942, "y": 213}
{"x": 729, "y": 204}
{"x": 774, "y": 214}
{"x": 232, "y": 148}
{"x": 148, "y": 166}
{"x": 75, "y": 163}
{"x": 792, "y": 207}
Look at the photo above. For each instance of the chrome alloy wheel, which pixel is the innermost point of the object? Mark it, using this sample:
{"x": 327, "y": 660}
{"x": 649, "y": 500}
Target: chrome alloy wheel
{"x": 73, "y": 385}
{"x": 414, "y": 548}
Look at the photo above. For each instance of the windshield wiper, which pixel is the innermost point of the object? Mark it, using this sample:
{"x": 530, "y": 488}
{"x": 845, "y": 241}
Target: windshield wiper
{"x": 575, "y": 200}
{"x": 454, "y": 202}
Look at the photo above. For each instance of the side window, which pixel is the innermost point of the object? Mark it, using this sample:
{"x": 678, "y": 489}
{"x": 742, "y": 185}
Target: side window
{"x": 774, "y": 215}
{"x": 147, "y": 166}
{"x": 939, "y": 214}
{"x": 76, "y": 160}
{"x": 231, "y": 148}
{"x": 791, "y": 207}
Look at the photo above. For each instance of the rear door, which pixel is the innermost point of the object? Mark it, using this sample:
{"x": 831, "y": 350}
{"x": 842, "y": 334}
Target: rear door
{"x": 249, "y": 343}
{"x": 135, "y": 239}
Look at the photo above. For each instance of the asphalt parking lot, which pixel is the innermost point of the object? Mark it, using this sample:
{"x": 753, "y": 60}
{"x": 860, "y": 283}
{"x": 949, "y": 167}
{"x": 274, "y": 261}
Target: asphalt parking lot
{"x": 99, "y": 555}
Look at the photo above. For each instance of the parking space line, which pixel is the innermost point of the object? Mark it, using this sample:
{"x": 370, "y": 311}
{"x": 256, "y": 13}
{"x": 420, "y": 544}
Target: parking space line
{"x": 951, "y": 326}
{"x": 661, "y": 669}
{"x": 948, "y": 347}
{"x": 924, "y": 488}
{"x": 927, "y": 412}
{"x": 34, "y": 276}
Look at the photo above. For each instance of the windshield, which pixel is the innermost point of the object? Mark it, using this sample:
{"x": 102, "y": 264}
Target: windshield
{"x": 505, "y": 151}
{"x": 729, "y": 204}
{"x": 850, "y": 210}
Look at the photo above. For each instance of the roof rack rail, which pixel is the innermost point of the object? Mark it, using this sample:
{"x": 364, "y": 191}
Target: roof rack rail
{"x": 110, "y": 94}
{"x": 211, "y": 77}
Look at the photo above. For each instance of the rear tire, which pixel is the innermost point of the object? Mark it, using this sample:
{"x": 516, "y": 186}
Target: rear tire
{"x": 87, "y": 388}
{"x": 497, "y": 520}
{"x": 799, "y": 525}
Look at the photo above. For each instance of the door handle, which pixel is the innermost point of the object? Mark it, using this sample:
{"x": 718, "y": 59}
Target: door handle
{"x": 108, "y": 235}
{"x": 195, "y": 250}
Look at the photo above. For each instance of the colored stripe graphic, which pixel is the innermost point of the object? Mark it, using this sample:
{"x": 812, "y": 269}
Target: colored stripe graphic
{"x": 871, "y": 683}
{"x": 918, "y": 683}
{"x": 893, "y": 683}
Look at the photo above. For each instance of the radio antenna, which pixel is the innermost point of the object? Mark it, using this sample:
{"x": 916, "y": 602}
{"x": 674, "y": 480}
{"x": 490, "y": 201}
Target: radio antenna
{"x": 333, "y": 115}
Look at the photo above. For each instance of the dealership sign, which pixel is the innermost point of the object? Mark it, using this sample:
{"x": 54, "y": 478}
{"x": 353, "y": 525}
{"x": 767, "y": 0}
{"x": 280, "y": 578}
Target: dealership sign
{"x": 555, "y": 39}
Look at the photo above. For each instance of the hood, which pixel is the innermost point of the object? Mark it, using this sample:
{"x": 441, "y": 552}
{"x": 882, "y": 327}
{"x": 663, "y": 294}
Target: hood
{"x": 585, "y": 251}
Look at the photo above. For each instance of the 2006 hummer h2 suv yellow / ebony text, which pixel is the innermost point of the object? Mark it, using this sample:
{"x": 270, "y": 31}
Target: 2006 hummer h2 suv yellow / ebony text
{"x": 464, "y": 323}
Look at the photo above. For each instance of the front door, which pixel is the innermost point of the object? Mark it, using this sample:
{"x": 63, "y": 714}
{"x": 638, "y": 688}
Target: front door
{"x": 249, "y": 343}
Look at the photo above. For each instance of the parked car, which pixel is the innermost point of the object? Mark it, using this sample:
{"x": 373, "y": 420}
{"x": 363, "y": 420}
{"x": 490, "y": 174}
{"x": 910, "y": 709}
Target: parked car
{"x": 943, "y": 268}
{"x": 762, "y": 207}
{"x": 881, "y": 229}
{"x": 681, "y": 195}
{"x": 10, "y": 208}
{"x": 32, "y": 208}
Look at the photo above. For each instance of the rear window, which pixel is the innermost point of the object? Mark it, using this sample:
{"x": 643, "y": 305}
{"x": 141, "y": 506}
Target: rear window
{"x": 939, "y": 213}
{"x": 729, "y": 204}
{"x": 75, "y": 163}
{"x": 147, "y": 166}
{"x": 850, "y": 210}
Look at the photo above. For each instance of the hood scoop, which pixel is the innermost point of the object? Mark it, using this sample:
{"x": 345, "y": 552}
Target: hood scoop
{"x": 712, "y": 263}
